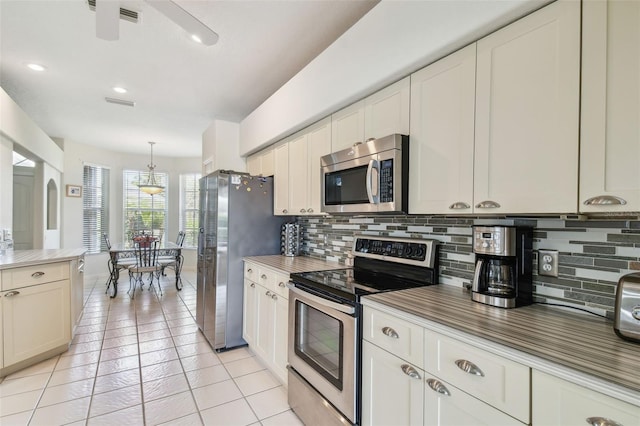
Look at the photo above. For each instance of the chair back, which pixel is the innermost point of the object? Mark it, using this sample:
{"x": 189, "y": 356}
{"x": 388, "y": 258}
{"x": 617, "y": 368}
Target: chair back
{"x": 180, "y": 239}
{"x": 146, "y": 254}
{"x": 106, "y": 241}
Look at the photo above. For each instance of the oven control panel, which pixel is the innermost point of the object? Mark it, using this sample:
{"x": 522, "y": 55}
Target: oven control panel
{"x": 401, "y": 250}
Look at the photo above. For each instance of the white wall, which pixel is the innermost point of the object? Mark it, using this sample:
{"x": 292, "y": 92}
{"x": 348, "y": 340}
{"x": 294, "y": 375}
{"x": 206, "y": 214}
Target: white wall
{"x": 6, "y": 183}
{"x": 75, "y": 157}
{"x": 394, "y": 39}
{"x": 221, "y": 147}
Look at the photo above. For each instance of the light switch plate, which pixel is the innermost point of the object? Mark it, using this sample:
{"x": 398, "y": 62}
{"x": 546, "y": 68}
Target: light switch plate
{"x": 548, "y": 262}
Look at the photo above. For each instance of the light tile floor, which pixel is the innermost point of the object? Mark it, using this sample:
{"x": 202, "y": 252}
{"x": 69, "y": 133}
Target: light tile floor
{"x": 143, "y": 361}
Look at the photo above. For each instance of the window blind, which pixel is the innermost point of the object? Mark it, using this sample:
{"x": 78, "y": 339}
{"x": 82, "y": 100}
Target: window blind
{"x": 95, "y": 208}
{"x": 143, "y": 212}
{"x": 189, "y": 208}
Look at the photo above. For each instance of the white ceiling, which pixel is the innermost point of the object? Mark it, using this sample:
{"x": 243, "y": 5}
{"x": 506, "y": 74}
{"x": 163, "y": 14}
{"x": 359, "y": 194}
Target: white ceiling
{"x": 179, "y": 87}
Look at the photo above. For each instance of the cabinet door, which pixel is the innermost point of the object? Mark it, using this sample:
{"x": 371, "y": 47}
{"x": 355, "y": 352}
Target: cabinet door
{"x": 610, "y": 125}
{"x": 250, "y": 310}
{"x": 442, "y": 128}
{"x": 267, "y": 161}
{"x": 77, "y": 291}
{"x": 387, "y": 111}
{"x": 318, "y": 144}
{"x": 281, "y": 180}
{"x": 264, "y": 329}
{"x": 390, "y": 396}
{"x": 558, "y": 402}
{"x": 347, "y": 127}
{"x": 527, "y": 107}
{"x": 298, "y": 175}
{"x": 446, "y": 405}
{"x": 281, "y": 337}
{"x": 36, "y": 319}
{"x": 254, "y": 164}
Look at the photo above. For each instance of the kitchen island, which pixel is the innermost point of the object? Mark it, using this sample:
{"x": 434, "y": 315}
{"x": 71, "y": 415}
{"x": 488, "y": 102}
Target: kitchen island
{"x": 561, "y": 356}
{"x": 41, "y": 299}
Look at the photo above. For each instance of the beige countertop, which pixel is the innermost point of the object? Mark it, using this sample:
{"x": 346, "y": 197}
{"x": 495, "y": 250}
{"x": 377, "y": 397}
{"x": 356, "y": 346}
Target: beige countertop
{"x": 579, "y": 347}
{"x": 294, "y": 264}
{"x": 17, "y": 258}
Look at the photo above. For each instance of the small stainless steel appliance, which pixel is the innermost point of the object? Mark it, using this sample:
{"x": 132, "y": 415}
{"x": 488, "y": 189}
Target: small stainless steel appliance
{"x": 290, "y": 239}
{"x": 325, "y": 323}
{"x": 627, "y": 310}
{"x": 369, "y": 177}
{"x": 504, "y": 259}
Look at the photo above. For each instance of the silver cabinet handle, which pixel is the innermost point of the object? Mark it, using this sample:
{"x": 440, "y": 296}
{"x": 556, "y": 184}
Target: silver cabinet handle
{"x": 12, "y": 293}
{"x": 302, "y": 210}
{"x": 437, "y": 386}
{"x": 487, "y": 204}
{"x": 281, "y": 284}
{"x": 309, "y": 210}
{"x": 268, "y": 293}
{"x": 605, "y": 200}
{"x": 274, "y": 296}
{"x": 37, "y": 274}
{"x": 459, "y": 205}
{"x": 601, "y": 421}
{"x": 285, "y": 211}
{"x": 410, "y": 371}
{"x": 253, "y": 285}
{"x": 263, "y": 276}
{"x": 249, "y": 270}
{"x": 388, "y": 331}
{"x": 469, "y": 367}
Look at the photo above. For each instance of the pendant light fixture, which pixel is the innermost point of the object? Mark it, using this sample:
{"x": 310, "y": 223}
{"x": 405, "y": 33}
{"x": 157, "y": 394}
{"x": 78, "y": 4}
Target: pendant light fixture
{"x": 151, "y": 187}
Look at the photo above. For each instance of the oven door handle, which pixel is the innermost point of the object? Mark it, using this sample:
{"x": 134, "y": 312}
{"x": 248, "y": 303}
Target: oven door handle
{"x": 321, "y": 301}
{"x": 373, "y": 165}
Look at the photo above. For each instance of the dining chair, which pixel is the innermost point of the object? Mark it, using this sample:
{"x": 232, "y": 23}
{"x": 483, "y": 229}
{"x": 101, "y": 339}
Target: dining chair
{"x": 114, "y": 269}
{"x": 173, "y": 257}
{"x": 146, "y": 263}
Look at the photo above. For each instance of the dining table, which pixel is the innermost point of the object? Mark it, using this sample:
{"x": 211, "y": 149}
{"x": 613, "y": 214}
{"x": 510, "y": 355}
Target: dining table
{"x": 124, "y": 253}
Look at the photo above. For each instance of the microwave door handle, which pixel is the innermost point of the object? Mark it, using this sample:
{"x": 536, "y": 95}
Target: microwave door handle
{"x": 373, "y": 198}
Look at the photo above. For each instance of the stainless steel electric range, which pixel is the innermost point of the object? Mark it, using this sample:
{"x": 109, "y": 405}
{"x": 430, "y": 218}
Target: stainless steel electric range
{"x": 325, "y": 314}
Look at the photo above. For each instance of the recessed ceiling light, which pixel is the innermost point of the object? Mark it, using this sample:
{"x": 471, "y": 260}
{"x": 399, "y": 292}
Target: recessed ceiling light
{"x": 36, "y": 67}
{"x": 195, "y": 38}
{"x": 120, "y": 89}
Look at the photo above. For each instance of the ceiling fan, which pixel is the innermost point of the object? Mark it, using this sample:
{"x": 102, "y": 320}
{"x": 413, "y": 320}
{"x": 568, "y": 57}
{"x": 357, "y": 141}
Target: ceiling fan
{"x": 108, "y": 13}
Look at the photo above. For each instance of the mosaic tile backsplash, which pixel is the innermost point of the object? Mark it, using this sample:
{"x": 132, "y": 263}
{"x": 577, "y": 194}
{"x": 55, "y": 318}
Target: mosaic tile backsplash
{"x": 593, "y": 254}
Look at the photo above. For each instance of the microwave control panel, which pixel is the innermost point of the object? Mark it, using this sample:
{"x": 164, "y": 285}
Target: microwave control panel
{"x": 386, "y": 181}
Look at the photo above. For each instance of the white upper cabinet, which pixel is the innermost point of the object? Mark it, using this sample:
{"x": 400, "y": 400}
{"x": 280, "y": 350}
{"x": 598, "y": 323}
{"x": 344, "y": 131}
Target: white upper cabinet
{"x": 319, "y": 144}
{"x": 527, "y": 111}
{"x": 281, "y": 180}
{"x": 261, "y": 163}
{"x": 384, "y": 113}
{"x": 610, "y": 124}
{"x": 442, "y": 127}
{"x": 387, "y": 111}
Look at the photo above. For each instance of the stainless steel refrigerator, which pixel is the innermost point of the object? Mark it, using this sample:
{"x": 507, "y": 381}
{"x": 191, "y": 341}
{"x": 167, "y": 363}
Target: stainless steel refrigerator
{"x": 236, "y": 220}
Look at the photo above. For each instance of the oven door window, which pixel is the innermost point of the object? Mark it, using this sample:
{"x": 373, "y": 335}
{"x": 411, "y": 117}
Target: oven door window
{"x": 346, "y": 186}
{"x": 319, "y": 342}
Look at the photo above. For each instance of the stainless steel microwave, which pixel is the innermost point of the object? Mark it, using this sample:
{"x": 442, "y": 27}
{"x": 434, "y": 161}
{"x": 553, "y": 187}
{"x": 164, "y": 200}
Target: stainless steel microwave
{"x": 369, "y": 177}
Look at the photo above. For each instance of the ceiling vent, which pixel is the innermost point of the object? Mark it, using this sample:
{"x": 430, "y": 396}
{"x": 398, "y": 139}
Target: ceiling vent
{"x": 125, "y": 14}
{"x": 120, "y": 102}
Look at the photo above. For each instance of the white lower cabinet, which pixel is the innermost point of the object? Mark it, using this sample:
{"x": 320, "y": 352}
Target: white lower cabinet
{"x": 266, "y": 315}
{"x": 558, "y": 402}
{"x": 36, "y": 319}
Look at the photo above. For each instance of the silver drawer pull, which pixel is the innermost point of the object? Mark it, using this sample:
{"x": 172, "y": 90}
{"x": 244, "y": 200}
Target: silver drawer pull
{"x": 281, "y": 284}
{"x": 488, "y": 204}
{"x": 249, "y": 270}
{"x": 303, "y": 211}
{"x": 388, "y": 331}
{"x": 253, "y": 285}
{"x": 605, "y": 200}
{"x": 410, "y": 371}
{"x": 37, "y": 274}
{"x": 268, "y": 293}
{"x": 459, "y": 205}
{"x": 601, "y": 421}
{"x": 309, "y": 210}
{"x": 469, "y": 367}
{"x": 263, "y": 276}
{"x": 12, "y": 293}
{"x": 437, "y": 386}
{"x": 274, "y": 296}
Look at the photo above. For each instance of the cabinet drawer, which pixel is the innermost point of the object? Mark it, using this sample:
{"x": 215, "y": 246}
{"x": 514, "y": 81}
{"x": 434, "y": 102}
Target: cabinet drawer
{"x": 251, "y": 271}
{"x": 266, "y": 278}
{"x": 396, "y": 335}
{"x": 498, "y": 381}
{"x": 280, "y": 285}
{"x": 33, "y": 275}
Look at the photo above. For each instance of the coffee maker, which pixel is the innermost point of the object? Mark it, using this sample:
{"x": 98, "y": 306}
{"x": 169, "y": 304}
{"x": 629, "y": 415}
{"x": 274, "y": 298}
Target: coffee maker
{"x": 504, "y": 258}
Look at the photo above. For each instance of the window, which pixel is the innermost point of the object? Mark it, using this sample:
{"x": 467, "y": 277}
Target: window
{"x": 189, "y": 201}
{"x": 95, "y": 208}
{"x": 143, "y": 212}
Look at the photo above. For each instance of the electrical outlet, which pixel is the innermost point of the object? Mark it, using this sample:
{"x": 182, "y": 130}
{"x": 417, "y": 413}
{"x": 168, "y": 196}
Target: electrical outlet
{"x": 548, "y": 262}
